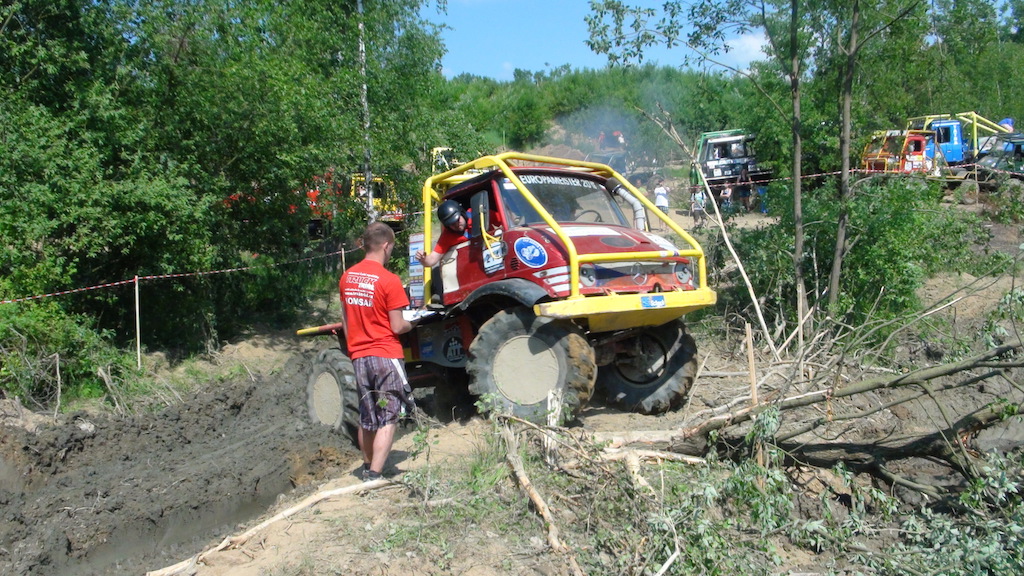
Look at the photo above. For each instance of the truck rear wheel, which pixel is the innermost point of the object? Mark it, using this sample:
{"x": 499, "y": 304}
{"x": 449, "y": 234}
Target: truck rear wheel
{"x": 517, "y": 358}
{"x": 653, "y": 372}
{"x": 331, "y": 392}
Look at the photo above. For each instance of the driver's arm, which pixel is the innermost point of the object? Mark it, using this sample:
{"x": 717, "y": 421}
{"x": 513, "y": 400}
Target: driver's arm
{"x": 429, "y": 260}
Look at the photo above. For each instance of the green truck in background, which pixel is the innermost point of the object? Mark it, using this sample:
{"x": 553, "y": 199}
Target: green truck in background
{"x": 720, "y": 156}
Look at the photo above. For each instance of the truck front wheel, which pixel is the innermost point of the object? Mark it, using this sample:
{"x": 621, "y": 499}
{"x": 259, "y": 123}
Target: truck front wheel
{"x": 653, "y": 371}
{"x": 331, "y": 392}
{"x": 517, "y": 359}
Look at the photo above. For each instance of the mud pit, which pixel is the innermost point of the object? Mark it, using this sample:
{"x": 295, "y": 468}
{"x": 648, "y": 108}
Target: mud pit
{"x": 98, "y": 495}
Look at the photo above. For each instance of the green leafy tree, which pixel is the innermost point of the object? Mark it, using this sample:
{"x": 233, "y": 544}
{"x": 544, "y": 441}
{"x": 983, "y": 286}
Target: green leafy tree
{"x": 150, "y": 138}
{"x": 703, "y": 27}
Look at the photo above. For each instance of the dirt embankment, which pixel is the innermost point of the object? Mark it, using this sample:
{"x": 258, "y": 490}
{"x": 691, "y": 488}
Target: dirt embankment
{"x": 99, "y": 495}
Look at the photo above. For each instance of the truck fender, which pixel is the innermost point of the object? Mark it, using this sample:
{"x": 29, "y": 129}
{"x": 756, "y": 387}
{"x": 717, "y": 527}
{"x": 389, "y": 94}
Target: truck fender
{"x": 523, "y": 291}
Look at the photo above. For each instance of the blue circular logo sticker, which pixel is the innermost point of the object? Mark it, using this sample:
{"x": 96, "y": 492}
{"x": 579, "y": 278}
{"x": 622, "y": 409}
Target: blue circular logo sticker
{"x": 530, "y": 252}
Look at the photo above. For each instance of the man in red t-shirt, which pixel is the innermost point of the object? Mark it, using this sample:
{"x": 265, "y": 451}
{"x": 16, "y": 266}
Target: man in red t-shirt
{"x": 372, "y": 299}
{"x": 455, "y": 229}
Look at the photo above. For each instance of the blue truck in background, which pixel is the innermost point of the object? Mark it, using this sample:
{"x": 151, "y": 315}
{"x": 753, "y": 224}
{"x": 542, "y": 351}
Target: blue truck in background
{"x": 960, "y": 138}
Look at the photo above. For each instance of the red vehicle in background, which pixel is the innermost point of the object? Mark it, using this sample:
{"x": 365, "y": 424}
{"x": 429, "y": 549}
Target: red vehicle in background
{"x": 329, "y": 195}
{"x": 901, "y": 152}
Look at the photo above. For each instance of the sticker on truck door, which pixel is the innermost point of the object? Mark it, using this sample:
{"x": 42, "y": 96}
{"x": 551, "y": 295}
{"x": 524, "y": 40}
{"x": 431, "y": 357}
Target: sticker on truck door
{"x": 453, "y": 350}
{"x": 530, "y": 252}
{"x": 494, "y": 257}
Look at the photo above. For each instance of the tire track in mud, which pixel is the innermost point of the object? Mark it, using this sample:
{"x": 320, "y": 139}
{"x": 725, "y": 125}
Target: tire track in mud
{"x": 97, "y": 495}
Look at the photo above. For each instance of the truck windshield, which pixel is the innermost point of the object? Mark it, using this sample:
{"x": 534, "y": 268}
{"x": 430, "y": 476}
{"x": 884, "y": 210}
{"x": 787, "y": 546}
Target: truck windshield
{"x": 729, "y": 148}
{"x": 567, "y": 198}
{"x": 1005, "y": 155}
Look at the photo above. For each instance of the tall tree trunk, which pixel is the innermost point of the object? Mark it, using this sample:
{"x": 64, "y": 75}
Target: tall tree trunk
{"x": 364, "y": 100}
{"x": 845, "y": 194}
{"x": 798, "y": 218}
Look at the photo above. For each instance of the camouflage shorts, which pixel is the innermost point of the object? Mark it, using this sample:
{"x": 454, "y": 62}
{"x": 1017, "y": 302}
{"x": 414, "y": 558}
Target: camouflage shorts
{"x": 382, "y": 388}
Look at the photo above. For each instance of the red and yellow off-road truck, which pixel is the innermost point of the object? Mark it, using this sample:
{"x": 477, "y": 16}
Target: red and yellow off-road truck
{"x": 559, "y": 289}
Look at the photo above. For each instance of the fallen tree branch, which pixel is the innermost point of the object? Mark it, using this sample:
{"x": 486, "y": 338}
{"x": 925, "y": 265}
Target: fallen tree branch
{"x": 693, "y": 440}
{"x": 613, "y": 454}
{"x": 897, "y": 480}
{"x": 948, "y": 443}
{"x": 553, "y": 434}
{"x": 954, "y": 444}
{"x": 632, "y": 462}
{"x": 512, "y": 455}
{"x": 869, "y": 455}
{"x": 811, "y": 425}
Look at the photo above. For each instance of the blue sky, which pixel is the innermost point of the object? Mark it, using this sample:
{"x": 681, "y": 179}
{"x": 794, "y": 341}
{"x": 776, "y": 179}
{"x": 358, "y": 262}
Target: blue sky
{"x": 492, "y": 38}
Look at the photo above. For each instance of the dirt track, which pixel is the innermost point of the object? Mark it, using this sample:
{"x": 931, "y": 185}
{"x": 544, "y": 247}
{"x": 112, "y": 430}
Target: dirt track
{"x": 96, "y": 495}
{"x": 105, "y": 496}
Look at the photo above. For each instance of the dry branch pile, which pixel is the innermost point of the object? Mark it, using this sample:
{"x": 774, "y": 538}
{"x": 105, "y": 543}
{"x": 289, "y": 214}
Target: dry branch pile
{"x": 935, "y": 413}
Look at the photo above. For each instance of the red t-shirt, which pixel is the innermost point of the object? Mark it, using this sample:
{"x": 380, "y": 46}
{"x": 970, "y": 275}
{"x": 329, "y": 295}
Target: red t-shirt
{"x": 368, "y": 293}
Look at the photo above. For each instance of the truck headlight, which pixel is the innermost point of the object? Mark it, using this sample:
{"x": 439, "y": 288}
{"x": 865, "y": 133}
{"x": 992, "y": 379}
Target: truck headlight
{"x": 683, "y": 272}
{"x": 588, "y": 275}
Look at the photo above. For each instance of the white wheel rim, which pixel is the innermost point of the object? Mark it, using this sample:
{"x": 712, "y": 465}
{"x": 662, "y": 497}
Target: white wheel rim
{"x": 326, "y": 399}
{"x": 525, "y": 370}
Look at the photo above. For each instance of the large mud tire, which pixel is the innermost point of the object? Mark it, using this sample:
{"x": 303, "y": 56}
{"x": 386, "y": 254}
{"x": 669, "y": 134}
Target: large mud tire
{"x": 658, "y": 376}
{"x": 331, "y": 393}
{"x": 517, "y": 358}
{"x": 1013, "y": 190}
{"x": 968, "y": 191}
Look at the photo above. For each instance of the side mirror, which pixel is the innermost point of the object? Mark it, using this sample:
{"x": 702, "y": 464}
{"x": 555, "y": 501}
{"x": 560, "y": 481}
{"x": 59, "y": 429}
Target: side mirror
{"x": 481, "y": 213}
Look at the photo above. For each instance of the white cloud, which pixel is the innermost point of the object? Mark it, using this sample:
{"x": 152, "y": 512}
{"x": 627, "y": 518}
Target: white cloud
{"x": 745, "y": 49}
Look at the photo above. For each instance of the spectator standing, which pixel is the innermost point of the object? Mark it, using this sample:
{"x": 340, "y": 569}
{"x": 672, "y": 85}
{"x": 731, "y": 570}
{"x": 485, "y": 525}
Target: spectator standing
{"x": 726, "y": 196}
{"x": 372, "y": 299}
{"x": 699, "y": 208}
{"x": 743, "y": 189}
{"x": 661, "y": 196}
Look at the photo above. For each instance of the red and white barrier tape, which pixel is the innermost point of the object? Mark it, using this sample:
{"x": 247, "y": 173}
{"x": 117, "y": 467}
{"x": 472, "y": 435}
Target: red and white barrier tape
{"x": 165, "y": 276}
{"x": 241, "y": 269}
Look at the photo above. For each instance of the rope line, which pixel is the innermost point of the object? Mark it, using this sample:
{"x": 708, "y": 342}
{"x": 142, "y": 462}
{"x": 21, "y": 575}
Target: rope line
{"x": 175, "y": 275}
{"x": 340, "y": 252}
{"x": 969, "y": 167}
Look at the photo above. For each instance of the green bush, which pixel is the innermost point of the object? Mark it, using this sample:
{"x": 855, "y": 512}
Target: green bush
{"x": 47, "y": 354}
{"x": 988, "y": 538}
{"x": 1005, "y": 203}
{"x": 898, "y": 234}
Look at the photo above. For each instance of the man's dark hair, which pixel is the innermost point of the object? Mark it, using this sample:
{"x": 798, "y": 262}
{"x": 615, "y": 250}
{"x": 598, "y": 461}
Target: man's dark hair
{"x": 376, "y": 235}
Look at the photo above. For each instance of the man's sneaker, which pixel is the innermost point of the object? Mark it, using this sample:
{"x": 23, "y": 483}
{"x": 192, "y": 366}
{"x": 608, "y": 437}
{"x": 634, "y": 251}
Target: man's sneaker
{"x": 369, "y": 475}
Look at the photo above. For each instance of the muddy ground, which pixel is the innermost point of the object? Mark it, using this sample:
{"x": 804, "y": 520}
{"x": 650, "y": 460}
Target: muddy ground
{"x": 91, "y": 494}
{"x": 94, "y": 494}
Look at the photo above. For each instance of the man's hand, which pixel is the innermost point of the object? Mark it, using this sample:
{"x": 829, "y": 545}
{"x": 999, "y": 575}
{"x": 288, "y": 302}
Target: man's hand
{"x": 428, "y": 260}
